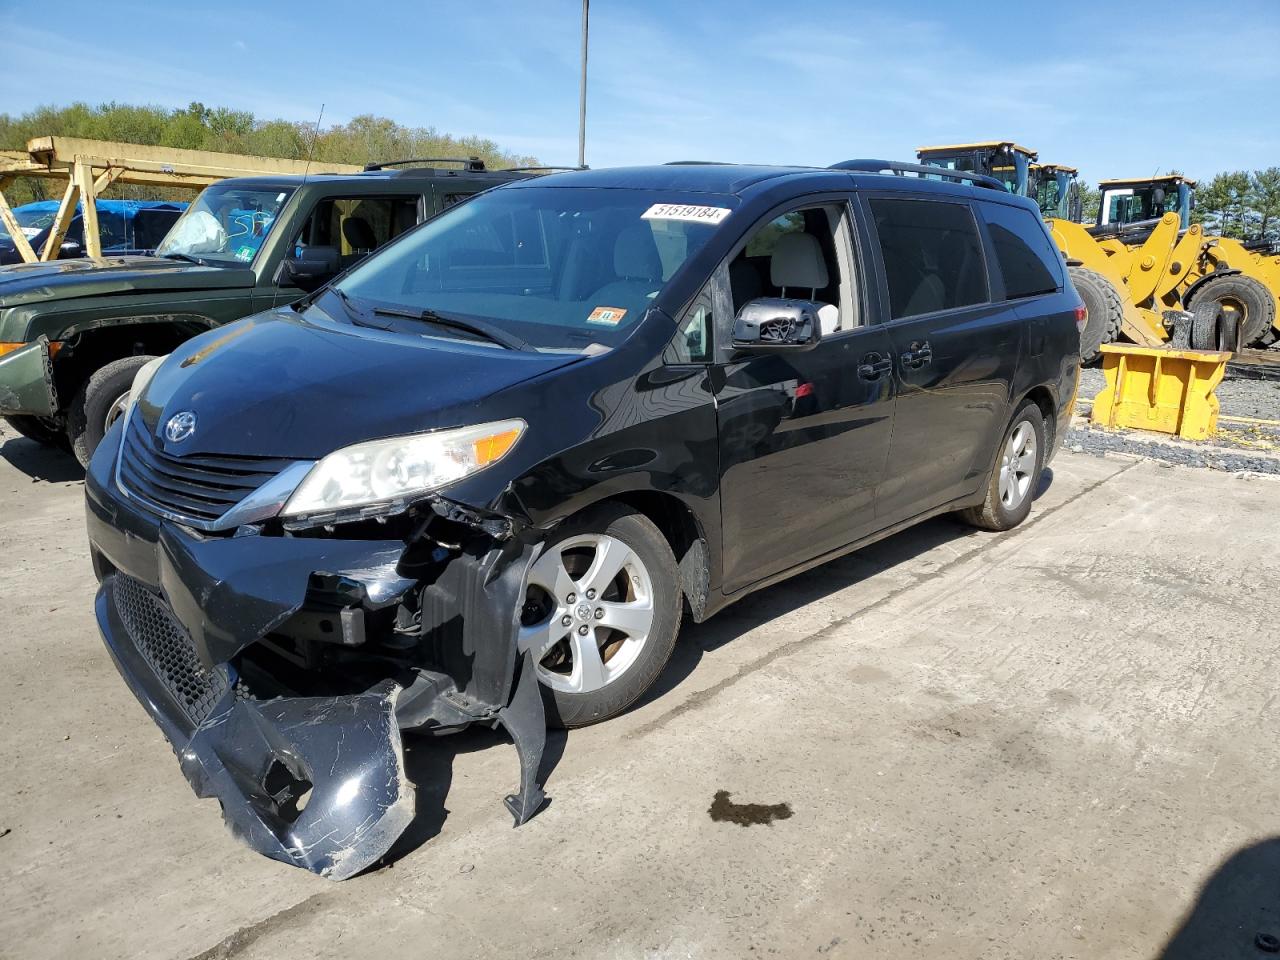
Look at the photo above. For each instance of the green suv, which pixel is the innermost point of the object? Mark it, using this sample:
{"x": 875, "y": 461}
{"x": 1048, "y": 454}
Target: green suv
{"x": 73, "y": 333}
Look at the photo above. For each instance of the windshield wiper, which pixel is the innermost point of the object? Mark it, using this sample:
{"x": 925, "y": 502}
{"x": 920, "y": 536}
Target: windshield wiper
{"x": 358, "y": 317}
{"x": 480, "y": 328}
{"x": 185, "y": 256}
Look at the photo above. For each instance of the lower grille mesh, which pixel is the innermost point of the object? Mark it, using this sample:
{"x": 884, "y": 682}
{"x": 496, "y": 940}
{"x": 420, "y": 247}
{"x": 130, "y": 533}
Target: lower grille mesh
{"x": 168, "y": 650}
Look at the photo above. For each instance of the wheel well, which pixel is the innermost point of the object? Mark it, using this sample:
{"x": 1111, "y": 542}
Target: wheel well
{"x": 1044, "y": 400}
{"x": 89, "y": 350}
{"x": 679, "y": 526}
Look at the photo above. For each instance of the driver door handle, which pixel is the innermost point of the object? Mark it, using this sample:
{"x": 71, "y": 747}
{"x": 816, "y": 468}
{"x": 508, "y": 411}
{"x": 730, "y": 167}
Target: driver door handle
{"x": 917, "y": 355}
{"x": 873, "y": 365}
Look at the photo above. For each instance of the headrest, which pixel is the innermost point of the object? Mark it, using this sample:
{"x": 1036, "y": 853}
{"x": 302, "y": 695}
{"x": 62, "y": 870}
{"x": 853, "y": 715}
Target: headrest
{"x": 635, "y": 255}
{"x": 797, "y": 262}
{"x": 358, "y": 234}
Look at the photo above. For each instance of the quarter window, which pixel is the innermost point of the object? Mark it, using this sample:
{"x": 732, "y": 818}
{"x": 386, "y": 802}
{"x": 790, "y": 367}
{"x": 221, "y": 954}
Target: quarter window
{"x": 932, "y": 255}
{"x": 1028, "y": 261}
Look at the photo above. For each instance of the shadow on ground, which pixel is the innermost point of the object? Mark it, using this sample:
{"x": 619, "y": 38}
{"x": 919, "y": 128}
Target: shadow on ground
{"x": 1237, "y": 914}
{"x": 41, "y": 463}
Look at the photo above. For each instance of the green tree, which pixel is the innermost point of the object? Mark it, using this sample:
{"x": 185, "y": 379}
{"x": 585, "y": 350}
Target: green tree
{"x": 1090, "y": 202}
{"x": 365, "y": 139}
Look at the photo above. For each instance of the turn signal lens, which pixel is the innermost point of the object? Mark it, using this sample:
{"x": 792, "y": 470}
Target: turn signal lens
{"x": 7, "y": 348}
{"x": 493, "y": 448}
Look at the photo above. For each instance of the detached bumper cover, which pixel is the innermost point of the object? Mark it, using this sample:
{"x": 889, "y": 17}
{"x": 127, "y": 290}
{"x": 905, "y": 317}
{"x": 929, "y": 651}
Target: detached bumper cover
{"x": 317, "y": 782}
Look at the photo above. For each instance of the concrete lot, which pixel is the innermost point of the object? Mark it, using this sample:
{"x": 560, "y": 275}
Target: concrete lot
{"x": 1058, "y": 742}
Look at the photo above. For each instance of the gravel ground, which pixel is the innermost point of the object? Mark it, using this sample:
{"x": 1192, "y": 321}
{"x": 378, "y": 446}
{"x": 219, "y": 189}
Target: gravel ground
{"x": 1238, "y": 448}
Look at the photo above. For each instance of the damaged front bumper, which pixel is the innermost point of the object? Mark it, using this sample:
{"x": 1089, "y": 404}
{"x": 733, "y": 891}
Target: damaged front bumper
{"x": 313, "y": 777}
{"x": 26, "y": 381}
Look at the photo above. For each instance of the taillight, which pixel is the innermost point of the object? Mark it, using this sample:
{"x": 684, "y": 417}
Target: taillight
{"x": 1082, "y": 317}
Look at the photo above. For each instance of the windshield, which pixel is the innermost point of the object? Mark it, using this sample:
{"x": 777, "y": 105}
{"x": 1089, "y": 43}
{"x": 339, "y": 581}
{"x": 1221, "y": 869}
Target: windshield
{"x": 560, "y": 268}
{"x": 227, "y": 223}
{"x": 1147, "y": 202}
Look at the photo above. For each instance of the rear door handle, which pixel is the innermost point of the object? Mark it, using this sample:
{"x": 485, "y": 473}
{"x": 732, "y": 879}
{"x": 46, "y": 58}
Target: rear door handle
{"x": 917, "y": 355}
{"x": 873, "y": 365}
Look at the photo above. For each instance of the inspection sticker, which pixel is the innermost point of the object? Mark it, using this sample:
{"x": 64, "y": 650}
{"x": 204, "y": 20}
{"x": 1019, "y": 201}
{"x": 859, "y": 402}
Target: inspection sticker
{"x": 685, "y": 211}
{"x": 607, "y": 316}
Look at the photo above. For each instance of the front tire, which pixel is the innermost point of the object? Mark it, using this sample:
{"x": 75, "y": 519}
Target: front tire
{"x": 1104, "y": 310}
{"x": 99, "y": 403}
{"x": 601, "y": 615}
{"x": 1015, "y": 476}
{"x": 40, "y": 430}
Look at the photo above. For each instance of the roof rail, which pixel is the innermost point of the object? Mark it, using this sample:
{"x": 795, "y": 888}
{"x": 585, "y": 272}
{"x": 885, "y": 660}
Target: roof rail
{"x": 471, "y": 164}
{"x": 697, "y": 163}
{"x": 538, "y": 166}
{"x": 898, "y": 168}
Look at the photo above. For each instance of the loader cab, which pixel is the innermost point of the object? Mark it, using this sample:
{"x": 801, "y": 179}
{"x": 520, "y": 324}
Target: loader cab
{"x": 1133, "y": 201}
{"x": 1055, "y": 190}
{"x": 1005, "y": 160}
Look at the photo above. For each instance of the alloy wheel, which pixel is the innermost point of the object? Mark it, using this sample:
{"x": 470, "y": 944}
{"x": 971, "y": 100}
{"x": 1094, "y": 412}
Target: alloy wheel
{"x": 1017, "y": 466}
{"x": 589, "y": 610}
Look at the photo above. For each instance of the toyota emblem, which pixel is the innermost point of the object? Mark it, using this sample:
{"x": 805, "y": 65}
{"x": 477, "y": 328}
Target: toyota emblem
{"x": 180, "y": 426}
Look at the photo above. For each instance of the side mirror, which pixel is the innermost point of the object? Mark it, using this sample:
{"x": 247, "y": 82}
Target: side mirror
{"x": 773, "y": 323}
{"x": 308, "y": 269}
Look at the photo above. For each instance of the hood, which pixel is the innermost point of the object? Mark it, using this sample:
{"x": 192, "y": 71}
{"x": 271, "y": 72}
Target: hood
{"x": 299, "y": 386}
{"x": 91, "y": 277}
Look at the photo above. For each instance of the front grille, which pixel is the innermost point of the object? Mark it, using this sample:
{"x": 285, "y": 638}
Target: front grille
{"x": 167, "y": 648}
{"x": 195, "y": 488}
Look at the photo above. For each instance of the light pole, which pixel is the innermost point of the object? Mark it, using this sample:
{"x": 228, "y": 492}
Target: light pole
{"x": 582, "y": 92}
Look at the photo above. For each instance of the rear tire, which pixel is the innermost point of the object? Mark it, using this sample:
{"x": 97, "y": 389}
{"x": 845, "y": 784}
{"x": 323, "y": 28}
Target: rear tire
{"x": 1245, "y": 297}
{"x": 601, "y": 614}
{"x": 1104, "y": 310}
{"x": 98, "y": 403}
{"x": 1015, "y": 475}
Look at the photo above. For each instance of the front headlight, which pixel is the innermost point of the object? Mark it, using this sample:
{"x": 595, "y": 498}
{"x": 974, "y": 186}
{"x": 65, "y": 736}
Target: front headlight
{"x": 140, "y": 380}
{"x": 391, "y": 471}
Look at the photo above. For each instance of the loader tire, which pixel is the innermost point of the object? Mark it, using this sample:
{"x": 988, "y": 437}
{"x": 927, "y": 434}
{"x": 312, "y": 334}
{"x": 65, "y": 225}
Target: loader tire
{"x": 1245, "y": 297}
{"x": 1206, "y": 325}
{"x": 1103, "y": 311}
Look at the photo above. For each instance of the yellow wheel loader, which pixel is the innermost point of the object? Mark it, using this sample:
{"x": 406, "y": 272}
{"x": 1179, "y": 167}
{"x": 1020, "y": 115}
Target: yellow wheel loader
{"x": 1222, "y": 274}
{"x": 1117, "y": 282}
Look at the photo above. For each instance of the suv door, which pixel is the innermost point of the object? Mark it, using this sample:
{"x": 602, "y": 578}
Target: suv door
{"x": 803, "y": 434}
{"x": 955, "y": 351}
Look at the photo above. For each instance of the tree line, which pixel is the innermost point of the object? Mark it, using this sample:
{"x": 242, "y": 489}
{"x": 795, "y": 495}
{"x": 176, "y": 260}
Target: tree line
{"x": 365, "y": 139}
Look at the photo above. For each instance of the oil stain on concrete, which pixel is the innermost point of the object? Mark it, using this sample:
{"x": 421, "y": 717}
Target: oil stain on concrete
{"x": 724, "y": 810}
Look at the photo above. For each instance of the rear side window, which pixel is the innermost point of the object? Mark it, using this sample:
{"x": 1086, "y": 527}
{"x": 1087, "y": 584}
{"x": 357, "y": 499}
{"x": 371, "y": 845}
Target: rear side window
{"x": 1028, "y": 261}
{"x": 932, "y": 255}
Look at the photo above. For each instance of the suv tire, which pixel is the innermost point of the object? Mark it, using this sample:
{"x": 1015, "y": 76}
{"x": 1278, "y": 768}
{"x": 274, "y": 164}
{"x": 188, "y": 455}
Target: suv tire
{"x": 39, "y": 430}
{"x": 97, "y": 404}
{"x": 1015, "y": 475}
{"x": 644, "y": 591}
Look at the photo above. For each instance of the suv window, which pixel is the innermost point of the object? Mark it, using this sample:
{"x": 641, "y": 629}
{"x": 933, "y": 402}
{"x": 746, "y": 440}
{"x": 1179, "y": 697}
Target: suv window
{"x": 356, "y": 226}
{"x": 1028, "y": 261}
{"x": 932, "y": 255}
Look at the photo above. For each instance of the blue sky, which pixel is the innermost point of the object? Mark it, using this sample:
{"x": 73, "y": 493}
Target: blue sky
{"x": 1116, "y": 88}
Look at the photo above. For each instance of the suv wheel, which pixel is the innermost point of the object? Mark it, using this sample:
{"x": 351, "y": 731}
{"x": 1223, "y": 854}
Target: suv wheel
{"x": 39, "y": 429}
{"x": 601, "y": 614}
{"x": 1015, "y": 474}
{"x": 99, "y": 403}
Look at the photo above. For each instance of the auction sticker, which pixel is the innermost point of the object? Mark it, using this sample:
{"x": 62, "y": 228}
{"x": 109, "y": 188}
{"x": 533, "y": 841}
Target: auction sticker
{"x": 685, "y": 211}
{"x": 607, "y": 316}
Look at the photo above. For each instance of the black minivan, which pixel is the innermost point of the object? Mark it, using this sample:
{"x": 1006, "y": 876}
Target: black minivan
{"x": 482, "y": 476}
